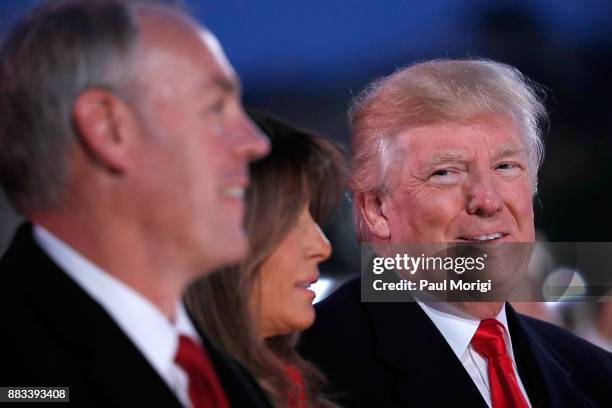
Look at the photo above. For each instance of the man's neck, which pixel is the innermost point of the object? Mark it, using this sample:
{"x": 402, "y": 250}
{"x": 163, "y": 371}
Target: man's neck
{"x": 119, "y": 249}
{"x": 479, "y": 310}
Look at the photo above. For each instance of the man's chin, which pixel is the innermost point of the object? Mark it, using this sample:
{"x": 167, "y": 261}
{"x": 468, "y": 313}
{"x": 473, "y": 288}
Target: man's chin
{"x": 480, "y": 310}
{"x": 229, "y": 251}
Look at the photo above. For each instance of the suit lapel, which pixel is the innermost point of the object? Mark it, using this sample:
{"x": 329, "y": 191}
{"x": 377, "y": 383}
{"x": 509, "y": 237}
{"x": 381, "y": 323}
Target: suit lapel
{"x": 94, "y": 341}
{"x": 426, "y": 371}
{"x": 547, "y": 376}
{"x": 125, "y": 376}
{"x": 120, "y": 369}
{"x": 244, "y": 391}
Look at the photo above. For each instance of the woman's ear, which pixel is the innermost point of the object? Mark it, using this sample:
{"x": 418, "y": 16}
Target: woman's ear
{"x": 371, "y": 207}
{"x": 107, "y": 128}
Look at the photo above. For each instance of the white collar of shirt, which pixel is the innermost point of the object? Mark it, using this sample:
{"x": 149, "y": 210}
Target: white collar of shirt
{"x": 457, "y": 328}
{"x": 146, "y": 326}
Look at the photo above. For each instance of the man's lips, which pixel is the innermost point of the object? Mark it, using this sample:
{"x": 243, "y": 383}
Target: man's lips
{"x": 235, "y": 192}
{"x": 483, "y": 236}
{"x": 234, "y": 189}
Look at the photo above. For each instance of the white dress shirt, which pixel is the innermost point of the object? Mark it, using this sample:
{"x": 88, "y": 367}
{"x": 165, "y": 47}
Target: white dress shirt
{"x": 144, "y": 324}
{"x": 458, "y": 330}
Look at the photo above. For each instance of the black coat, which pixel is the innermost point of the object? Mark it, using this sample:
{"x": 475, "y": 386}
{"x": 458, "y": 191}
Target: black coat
{"x": 392, "y": 355}
{"x": 54, "y": 334}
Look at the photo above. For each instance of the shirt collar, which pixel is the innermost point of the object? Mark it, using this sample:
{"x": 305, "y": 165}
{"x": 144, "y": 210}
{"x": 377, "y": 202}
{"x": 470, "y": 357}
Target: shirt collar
{"x": 457, "y": 328}
{"x": 147, "y": 327}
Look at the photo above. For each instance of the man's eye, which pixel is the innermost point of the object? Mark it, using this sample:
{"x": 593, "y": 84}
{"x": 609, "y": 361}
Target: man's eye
{"x": 447, "y": 176}
{"x": 506, "y": 166}
{"x": 217, "y": 107}
{"x": 441, "y": 172}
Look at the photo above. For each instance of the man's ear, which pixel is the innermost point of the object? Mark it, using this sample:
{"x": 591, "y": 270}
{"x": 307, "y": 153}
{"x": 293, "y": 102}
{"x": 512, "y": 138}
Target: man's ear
{"x": 371, "y": 207}
{"x": 106, "y": 127}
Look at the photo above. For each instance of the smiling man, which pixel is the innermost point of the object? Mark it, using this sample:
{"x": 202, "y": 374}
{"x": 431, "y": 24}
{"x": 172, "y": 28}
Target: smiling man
{"x": 124, "y": 144}
{"x": 448, "y": 152}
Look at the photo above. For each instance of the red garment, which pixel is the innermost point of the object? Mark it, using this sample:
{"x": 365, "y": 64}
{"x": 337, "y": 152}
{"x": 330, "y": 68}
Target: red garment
{"x": 488, "y": 341}
{"x": 205, "y": 390}
{"x": 296, "y": 396}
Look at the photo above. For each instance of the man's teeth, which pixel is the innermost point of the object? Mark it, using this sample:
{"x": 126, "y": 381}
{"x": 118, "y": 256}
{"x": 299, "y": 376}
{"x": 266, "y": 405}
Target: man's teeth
{"x": 233, "y": 192}
{"x": 486, "y": 237}
{"x": 303, "y": 285}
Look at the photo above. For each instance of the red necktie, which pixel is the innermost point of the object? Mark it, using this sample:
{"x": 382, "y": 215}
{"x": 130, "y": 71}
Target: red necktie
{"x": 488, "y": 341}
{"x": 204, "y": 388}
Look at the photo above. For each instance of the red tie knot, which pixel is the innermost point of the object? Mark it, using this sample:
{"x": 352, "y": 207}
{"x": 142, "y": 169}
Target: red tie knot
{"x": 489, "y": 339}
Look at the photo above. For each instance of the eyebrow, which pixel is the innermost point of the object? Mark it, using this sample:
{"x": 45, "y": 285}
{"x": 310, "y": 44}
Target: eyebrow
{"x": 505, "y": 150}
{"x": 226, "y": 85}
{"x": 509, "y": 149}
{"x": 444, "y": 157}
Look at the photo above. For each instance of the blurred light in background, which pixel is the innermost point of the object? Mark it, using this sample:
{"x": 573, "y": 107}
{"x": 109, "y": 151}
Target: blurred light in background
{"x": 564, "y": 284}
{"x": 322, "y": 288}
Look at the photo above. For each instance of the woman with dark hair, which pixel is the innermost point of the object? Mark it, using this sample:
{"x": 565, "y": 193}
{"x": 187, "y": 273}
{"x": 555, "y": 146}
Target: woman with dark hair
{"x": 255, "y": 310}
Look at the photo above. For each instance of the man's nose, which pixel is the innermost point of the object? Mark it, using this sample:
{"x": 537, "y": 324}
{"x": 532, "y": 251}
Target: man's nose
{"x": 252, "y": 143}
{"x": 483, "y": 198}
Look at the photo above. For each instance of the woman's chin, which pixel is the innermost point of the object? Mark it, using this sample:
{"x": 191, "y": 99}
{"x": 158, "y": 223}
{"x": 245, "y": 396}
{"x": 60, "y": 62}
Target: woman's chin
{"x": 298, "y": 322}
{"x": 306, "y": 319}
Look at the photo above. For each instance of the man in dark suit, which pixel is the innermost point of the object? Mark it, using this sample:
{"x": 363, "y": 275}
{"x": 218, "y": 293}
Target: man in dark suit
{"x": 447, "y": 151}
{"x": 124, "y": 144}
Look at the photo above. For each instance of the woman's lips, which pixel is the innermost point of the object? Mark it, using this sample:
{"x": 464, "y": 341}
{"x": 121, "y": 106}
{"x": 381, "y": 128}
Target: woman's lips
{"x": 304, "y": 285}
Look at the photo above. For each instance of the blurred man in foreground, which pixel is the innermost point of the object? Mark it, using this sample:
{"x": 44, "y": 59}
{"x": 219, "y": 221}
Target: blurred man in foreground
{"x": 124, "y": 143}
{"x": 448, "y": 152}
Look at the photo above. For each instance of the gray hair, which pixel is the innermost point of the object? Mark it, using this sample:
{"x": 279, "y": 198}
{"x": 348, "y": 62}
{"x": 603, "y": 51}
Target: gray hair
{"x": 60, "y": 49}
{"x": 436, "y": 92}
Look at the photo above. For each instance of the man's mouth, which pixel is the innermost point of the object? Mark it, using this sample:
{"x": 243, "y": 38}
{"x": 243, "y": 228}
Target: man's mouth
{"x": 234, "y": 192}
{"x": 483, "y": 237}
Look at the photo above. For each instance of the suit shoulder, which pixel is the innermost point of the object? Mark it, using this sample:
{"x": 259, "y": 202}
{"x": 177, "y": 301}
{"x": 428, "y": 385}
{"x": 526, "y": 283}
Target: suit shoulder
{"x": 567, "y": 344}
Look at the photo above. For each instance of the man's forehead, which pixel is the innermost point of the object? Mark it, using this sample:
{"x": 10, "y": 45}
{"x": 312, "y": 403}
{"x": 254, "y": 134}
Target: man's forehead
{"x": 217, "y": 52}
{"x": 452, "y": 141}
{"x": 450, "y": 154}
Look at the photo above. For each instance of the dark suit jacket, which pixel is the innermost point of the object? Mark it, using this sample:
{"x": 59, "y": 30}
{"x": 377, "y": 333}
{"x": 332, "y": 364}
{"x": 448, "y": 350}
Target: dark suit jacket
{"x": 392, "y": 355}
{"x": 54, "y": 334}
